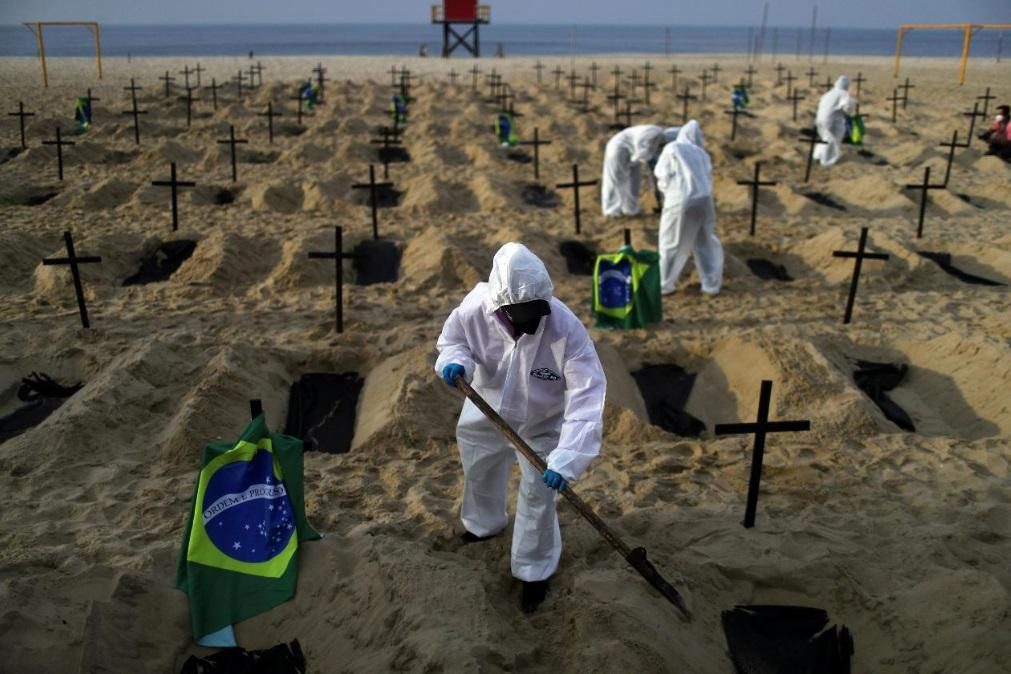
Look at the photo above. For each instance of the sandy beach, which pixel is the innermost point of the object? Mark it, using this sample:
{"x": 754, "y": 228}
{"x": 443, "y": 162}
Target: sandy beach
{"x": 904, "y": 537}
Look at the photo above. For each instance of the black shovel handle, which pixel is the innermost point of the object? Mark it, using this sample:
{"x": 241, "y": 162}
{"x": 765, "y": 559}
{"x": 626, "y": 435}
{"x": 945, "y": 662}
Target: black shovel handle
{"x": 636, "y": 557}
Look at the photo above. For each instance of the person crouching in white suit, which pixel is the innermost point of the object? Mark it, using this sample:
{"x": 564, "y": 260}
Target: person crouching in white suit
{"x": 833, "y": 109}
{"x": 532, "y": 360}
{"x": 624, "y": 156}
{"x": 684, "y": 174}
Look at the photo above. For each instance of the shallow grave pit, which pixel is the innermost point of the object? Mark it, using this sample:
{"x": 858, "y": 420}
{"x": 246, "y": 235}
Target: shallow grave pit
{"x": 768, "y": 271}
{"x": 944, "y": 261}
{"x": 519, "y": 156}
{"x": 376, "y": 261}
{"x": 580, "y": 257}
{"x": 393, "y": 155}
{"x": 823, "y": 199}
{"x": 27, "y": 403}
{"x": 540, "y": 196}
{"x": 665, "y": 388}
{"x": 321, "y": 410}
{"x": 386, "y": 196}
{"x": 28, "y": 195}
{"x": 162, "y": 262}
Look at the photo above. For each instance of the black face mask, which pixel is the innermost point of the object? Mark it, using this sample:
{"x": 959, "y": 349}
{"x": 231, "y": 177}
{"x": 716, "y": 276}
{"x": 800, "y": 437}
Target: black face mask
{"x": 526, "y": 327}
{"x": 526, "y": 316}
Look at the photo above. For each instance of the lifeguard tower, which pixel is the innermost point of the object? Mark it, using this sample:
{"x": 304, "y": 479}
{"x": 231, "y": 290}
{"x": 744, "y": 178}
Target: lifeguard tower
{"x": 452, "y": 13}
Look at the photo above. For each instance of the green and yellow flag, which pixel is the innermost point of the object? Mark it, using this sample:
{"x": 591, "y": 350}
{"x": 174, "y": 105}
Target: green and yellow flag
{"x": 239, "y": 553}
{"x": 626, "y": 289}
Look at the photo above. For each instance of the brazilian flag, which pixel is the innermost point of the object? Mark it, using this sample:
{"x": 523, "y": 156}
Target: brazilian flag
{"x": 239, "y": 553}
{"x": 626, "y": 289}
{"x": 739, "y": 98}
{"x": 857, "y": 130}
{"x": 505, "y": 129}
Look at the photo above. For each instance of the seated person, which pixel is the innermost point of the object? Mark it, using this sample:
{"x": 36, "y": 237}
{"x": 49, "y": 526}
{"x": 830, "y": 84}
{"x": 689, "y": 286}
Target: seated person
{"x": 999, "y": 134}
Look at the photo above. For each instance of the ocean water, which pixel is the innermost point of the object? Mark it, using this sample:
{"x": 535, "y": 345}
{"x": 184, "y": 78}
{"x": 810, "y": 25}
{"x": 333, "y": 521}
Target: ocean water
{"x": 516, "y": 40}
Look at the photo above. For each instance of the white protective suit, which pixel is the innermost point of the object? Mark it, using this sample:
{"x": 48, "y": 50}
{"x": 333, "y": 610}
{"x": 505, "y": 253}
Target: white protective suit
{"x": 549, "y": 386}
{"x": 684, "y": 174}
{"x": 624, "y": 156}
{"x": 831, "y": 121}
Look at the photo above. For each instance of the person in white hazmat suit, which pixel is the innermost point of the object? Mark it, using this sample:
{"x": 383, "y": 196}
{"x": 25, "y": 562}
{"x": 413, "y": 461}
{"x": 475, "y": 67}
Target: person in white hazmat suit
{"x": 624, "y": 156}
{"x": 833, "y": 108}
{"x": 532, "y": 360}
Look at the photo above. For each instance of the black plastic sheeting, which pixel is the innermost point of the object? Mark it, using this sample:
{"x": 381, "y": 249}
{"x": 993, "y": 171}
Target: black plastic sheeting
{"x": 943, "y": 260}
{"x": 376, "y": 261}
{"x": 579, "y": 258}
{"x": 876, "y": 378}
{"x": 665, "y": 389}
{"x": 519, "y": 156}
{"x": 786, "y": 640}
{"x": 42, "y": 396}
{"x": 163, "y": 262}
{"x": 386, "y": 197}
{"x": 823, "y": 199}
{"x": 321, "y": 411}
{"x": 394, "y": 154}
{"x": 540, "y": 196}
{"x": 768, "y": 271}
{"x": 280, "y": 659}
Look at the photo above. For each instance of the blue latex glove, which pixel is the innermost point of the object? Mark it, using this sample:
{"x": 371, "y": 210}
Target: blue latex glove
{"x": 451, "y": 372}
{"x": 554, "y": 480}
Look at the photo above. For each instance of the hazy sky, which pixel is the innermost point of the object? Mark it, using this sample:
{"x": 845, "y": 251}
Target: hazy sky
{"x": 837, "y": 13}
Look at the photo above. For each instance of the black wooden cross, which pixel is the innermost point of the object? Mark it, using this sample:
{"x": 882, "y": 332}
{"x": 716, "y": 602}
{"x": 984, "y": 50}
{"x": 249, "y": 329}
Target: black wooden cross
{"x": 575, "y": 185}
{"x": 557, "y": 72}
{"x": 811, "y": 139}
{"x": 238, "y": 80}
{"x": 372, "y": 186}
{"x": 615, "y": 99}
{"x": 795, "y": 97}
{"x": 593, "y": 74}
{"x": 389, "y": 137}
{"x": 626, "y": 113}
{"x": 136, "y": 117}
{"x": 232, "y": 141}
{"x": 827, "y": 84}
{"x": 733, "y": 123}
{"x": 895, "y": 98}
{"x": 453, "y": 75}
{"x": 406, "y": 79}
{"x": 705, "y": 82}
{"x": 972, "y": 120}
{"x": 338, "y": 256}
{"x": 986, "y": 98}
{"x": 750, "y": 72}
{"x": 199, "y": 69}
{"x": 616, "y": 73}
{"x": 186, "y": 72}
{"x": 59, "y": 143}
{"x": 252, "y": 76}
{"x": 685, "y": 97}
{"x": 755, "y": 184}
{"x": 779, "y": 74}
{"x": 716, "y": 72}
{"x": 73, "y": 261}
{"x": 168, "y": 80}
{"x": 951, "y": 154}
{"x": 539, "y": 67}
{"x": 259, "y": 73}
{"x": 646, "y": 86}
{"x": 760, "y": 428}
{"x": 789, "y": 79}
{"x": 91, "y": 107}
{"x": 635, "y": 80}
{"x": 189, "y": 106}
{"x": 536, "y": 142}
{"x": 270, "y": 115}
{"x": 811, "y": 74}
{"x": 21, "y": 114}
{"x": 474, "y": 72}
{"x": 585, "y": 103}
{"x": 674, "y": 72}
{"x": 133, "y": 89}
{"x": 300, "y": 101}
{"x": 860, "y": 255}
{"x": 320, "y": 73}
{"x": 572, "y": 78}
{"x": 214, "y": 92}
{"x": 924, "y": 188}
{"x": 394, "y": 71}
{"x": 859, "y": 79}
{"x": 905, "y": 92}
{"x": 174, "y": 184}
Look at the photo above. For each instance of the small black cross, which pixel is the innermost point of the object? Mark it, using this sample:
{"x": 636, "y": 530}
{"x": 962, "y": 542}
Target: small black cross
{"x": 320, "y": 73}
{"x": 716, "y": 72}
{"x": 389, "y": 137}
{"x": 474, "y": 72}
{"x": 136, "y": 117}
{"x": 779, "y": 74}
{"x": 859, "y": 79}
{"x": 199, "y": 69}
{"x": 811, "y": 139}
{"x": 616, "y": 73}
{"x": 238, "y": 80}
{"x": 615, "y": 98}
{"x": 585, "y": 103}
{"x": 626, "y": 113}
{"x": 168, "y": 80}
{"x": 270, "y": 115}
{"x": 185, "y": 72}
{"x": 860, "y": 255}
{"x": 593, "y": 73}
{"x": 750, "y": 72}
{"x": 338, "y": 256}
{"x": 214, "y": 92}
{"x": 300, "y": 100}
{"x": 539, "y": 67}
{"x": 951, "y": 154}
{"x": 91, "y": 108}
{"x": 986, "y": 98}
{"x": 575, "y": 185}
{"x": 795, "y": 98}
{"x": 972, "y": 119}
{"x": 906, "y": 86}
{"x": 189, "y": 106}
{"x": 733, "y": 123}
{"x": 635, "y": 80}
{"x": 811, "y": 74}
{"x": 232, "y": 141}
{"x": 705, "y": 82}
{"x": 21, "y": 114}
{"x": 789, "y": 79}
{"x": 924, "y": 188}
{"x": 557, "y": 72}
{"x": 252, "y": 76}
{"x": 827, "y": 84}
{"x": 572, "y": 78}
{"x": 685, "y": 97}
{"x": 372, "y": 186}
{"x": 674, "y": 72}
{"x": 646, "y": 86}
{"x": 175, "y": 184}
{"x": 59, "y": 143}
{"x": 536, "y": 142}
{"x": 133, "y": 89}
{"x": 75, "y": 272}
{"x": 895, "y": 98}
{"x": 453, "y": 75}
{"x": 394, "y": 71}
{"x": 259, "y": 73}
{"x": 760, "y": 428}
{"x": 755, "y": 184}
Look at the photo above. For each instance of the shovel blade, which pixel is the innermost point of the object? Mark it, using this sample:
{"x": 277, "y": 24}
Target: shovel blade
{"x": 637, "y": 558}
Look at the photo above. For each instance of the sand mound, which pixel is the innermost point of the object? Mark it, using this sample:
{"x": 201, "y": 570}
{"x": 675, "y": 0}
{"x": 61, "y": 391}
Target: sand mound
{"x": 227, "y": 262}
{"x": 54, "y": 284}
{"x": 171, "y": 151}
{"x": 993, "y": 166}
{"x": 817, "y": 254}
{"x": 432, "y": 261}
{"x": 307, "y": 152}
{"x": 22, "y": 254}
{"x": 872, "y": 192}
{"x": 280, "y": 197}
{"x": 108, "y": 193}
{"x": 296, "y": 271}
{"x": 432, "y": 194}
{"x": 323, "y": 194}
{"x": 493, "y": 192}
